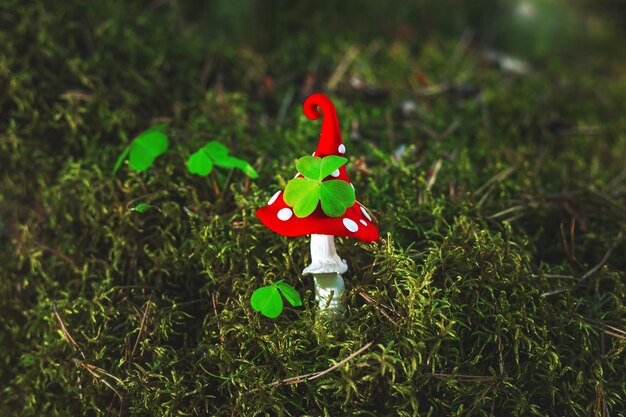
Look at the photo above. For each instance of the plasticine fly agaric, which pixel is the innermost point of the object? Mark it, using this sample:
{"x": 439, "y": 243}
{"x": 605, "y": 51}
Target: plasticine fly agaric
{"x": 320, "y": 201}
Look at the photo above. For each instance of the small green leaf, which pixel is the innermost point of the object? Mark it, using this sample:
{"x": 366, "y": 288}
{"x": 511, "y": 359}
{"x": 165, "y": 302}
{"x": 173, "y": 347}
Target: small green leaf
{"x": 330, "y": 164}
{"x": 336, "y": 196}
{"x": 215, "y": 149}
{"x": 267, "y": 300}
{"x": 220, "y": 157}
{"x": 121, "y": 159}
{"x": 146, "y": 147}
{"x": 141, "y": 208}
{"x": 309, "y": 166}
{"x": 303, "y": 195}
{"x": 227, "y": 161}
{"x": 199, "y": 163}
{"x": 289, "y": 293}
{"x": 245, "y": 167}
{"x": 248, "y": 170}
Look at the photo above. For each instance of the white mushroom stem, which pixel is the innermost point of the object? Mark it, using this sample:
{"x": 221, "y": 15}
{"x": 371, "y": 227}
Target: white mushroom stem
{"x": 326, "y": 268}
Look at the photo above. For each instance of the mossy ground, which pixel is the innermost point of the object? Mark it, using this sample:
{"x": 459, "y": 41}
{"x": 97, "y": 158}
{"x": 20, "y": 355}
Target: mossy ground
{"x": 498, "y": 287}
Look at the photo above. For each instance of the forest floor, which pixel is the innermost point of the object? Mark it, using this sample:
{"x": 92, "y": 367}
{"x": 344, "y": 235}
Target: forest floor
{"x": 499, "y": 184}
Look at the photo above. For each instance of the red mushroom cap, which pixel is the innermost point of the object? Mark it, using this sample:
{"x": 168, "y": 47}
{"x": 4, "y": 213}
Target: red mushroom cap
{"x": 355, "y": 222}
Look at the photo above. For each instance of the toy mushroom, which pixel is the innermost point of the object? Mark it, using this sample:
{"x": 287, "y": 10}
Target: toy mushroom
{"x": 320, "y": 201}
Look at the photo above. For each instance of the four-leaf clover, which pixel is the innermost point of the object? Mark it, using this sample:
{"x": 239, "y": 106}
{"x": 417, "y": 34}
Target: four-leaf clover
{"x": 303, "y": 194}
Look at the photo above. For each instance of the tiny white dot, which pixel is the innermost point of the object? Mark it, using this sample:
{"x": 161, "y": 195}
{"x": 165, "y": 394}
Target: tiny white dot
{"x": 366, "y": 214}
{"x": 297, "y": 173}
{"x": 284, "y": 214}
{"x": 274, "y": 197}
{"x": 313, "y": 154}
{"x": 335, "y": 173}
{"x": 350, "y": 225}
{"x": 342, "y": 148}
{"x": 363, "y": 222}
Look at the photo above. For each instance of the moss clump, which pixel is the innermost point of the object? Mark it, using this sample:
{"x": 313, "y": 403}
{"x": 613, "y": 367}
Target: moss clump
{"x": 498, "y": 288}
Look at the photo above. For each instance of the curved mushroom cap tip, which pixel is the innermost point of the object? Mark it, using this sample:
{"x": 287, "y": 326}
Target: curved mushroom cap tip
{"x": 355, "y": 222}
{"x": 330, "y": 137}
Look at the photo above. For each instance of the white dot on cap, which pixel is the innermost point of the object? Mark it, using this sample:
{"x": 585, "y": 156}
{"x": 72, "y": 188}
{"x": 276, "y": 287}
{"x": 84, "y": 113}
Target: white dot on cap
{"x": 284, "y": 214}
{"x": 350, "y": 225}
{"x": 335, "y": 173}
{"x": 363, "y": 222}
{"x": 342, "y": 148}
{"x": 274, "y": 197}
{"x": 366, "y": 214}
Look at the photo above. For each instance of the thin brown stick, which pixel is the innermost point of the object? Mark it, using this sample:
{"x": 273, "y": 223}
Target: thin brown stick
{"x": 314, "y": 375}
{"x": 485, "y": 392}
{"x": 572, "y": 235}
{"x": 342, "y": 362}
{"x": 216, "y": 189}
{"x": 619, "y": 336}
{"x": 217, "y": 317}
{"x": 500, "y": 176}
{"x": 593, "y": 270}
{"x": 368, "y": 298}
{"x": 246, "y": 185}
{"x": 599, "y": 324}
{"x": 561, "y": 276}
{"x": 58, "y": 254}
{"x": 142, "y": 327}
{"x": 65, "y": 333}
{"x": 604, "y": 259}
{"x": 95, "y": 372}
{"x": 347, "y": 59}
{"x": 472, "y": 378}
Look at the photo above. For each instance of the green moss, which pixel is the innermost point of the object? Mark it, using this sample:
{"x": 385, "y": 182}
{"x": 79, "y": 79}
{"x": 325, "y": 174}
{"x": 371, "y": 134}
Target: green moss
{"x": 510, "y": 188}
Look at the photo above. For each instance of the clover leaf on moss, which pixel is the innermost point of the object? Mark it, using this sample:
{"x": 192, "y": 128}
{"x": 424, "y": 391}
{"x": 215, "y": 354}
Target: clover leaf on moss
{"x": 145, "y": 148}
{"x": 269, "y": 302}
{"x": 213, "y": 153}
{"x": 303, "y": 194}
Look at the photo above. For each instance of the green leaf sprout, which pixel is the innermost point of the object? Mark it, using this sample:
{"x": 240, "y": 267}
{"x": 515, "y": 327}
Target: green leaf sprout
{"x": 268, "y": 301}
{"x": 303, "y": 194}
{"x": 146, "y": 147}
{"x": 141, "y": 208}
{"x": 214, "y": 153}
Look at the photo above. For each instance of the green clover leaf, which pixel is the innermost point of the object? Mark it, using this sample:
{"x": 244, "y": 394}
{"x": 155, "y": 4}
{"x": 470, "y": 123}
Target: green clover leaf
{"x": 309, "y": 166}
{"x": 289, "y": 293}
{"x": 330, "y": 164}
{"x": 199, "y": 163}
{"x": 145, "y": 148}
{"x": 317, "y": 168}
{"x": 214, "y": 153}
{"x": 267, "y": 299}
{"x": 336, "y": 197}
{"x": 303, "y": 194}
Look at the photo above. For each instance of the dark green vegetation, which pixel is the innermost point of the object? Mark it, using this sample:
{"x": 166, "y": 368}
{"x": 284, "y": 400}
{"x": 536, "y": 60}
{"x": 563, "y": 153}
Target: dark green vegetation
{"x": 499, "y": 285}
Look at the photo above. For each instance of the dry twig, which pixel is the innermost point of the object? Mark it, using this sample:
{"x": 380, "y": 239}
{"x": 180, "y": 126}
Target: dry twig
{"x": 65, "y": 333}
{"x": 314, "y": 375}
{"x": 142, "y": 327}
